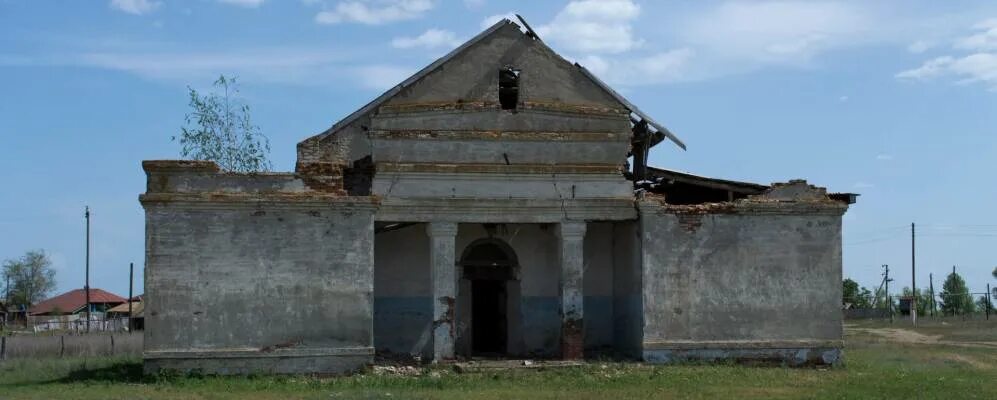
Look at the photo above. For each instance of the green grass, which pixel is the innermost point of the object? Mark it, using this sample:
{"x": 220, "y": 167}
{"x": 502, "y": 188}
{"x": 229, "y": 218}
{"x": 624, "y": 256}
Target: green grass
{"x": 875, "y": 368}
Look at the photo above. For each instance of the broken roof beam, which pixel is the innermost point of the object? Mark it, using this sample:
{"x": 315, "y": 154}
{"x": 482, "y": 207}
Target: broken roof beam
{"x": 659, "y": 129}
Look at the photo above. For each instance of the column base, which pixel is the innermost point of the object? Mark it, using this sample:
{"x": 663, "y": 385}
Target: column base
{"x": 573, "y": 340}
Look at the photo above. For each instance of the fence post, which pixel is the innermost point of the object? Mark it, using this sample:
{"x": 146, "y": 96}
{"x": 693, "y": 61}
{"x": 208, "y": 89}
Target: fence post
{"x": 3, "y": 347}
{"x": 112, "y": 344}
{"x": 62, "y": 346}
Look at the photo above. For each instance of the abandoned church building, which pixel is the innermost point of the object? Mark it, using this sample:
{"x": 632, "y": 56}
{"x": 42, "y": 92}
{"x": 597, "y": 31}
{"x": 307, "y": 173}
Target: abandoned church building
{"x": 498, "y": 203}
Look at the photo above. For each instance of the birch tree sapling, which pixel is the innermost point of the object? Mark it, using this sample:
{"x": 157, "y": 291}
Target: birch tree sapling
{"x": 218, "y": 128}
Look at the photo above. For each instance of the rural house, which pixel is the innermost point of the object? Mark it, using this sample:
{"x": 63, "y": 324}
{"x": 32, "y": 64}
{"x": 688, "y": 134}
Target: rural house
{"x": 485, "y": 207}
{"x": 69, "y": 310}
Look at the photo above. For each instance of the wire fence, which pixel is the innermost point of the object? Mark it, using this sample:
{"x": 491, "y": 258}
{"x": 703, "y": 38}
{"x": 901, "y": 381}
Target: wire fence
{"x": 968, "y": 305}
{"x": 70, "y": 345}
{"x": 99, "y": 322}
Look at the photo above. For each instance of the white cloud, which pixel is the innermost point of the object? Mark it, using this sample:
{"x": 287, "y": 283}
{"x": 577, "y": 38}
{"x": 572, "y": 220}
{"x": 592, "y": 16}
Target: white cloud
{"x": 431, "y": 39}
{"x": 374, "y": 12}
{"x": 664, "y": 67}
{"x": 493, "y": 19}
{"x": 137, "y": 7}
{"x": 929, "y": 69}
{"x": 983, "y": 40}
{"x": 296, "y": 66}
{"x": 244, "y": 3}
{"x": 978, "y": 66}
{"x": 884, "y": 157}
{"x": 920, "y": 46}
{"x": 777, "y": 33}
{"x": 594, "y": 26}
{"x": 382, "y": 77}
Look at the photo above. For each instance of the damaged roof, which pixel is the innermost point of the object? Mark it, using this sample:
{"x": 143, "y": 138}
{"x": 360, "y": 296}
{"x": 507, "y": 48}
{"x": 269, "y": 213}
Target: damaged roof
{"x": 713, "y": 183}
{"x": 659, "y": 131}
{"x": 663, "y": 180}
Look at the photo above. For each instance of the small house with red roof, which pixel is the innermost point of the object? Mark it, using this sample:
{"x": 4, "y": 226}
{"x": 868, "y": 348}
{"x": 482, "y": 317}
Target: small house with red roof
{"x": 75, "y": 301}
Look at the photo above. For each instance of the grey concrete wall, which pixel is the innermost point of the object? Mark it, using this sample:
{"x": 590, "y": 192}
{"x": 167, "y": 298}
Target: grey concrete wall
{"x": 628, "y": 311}
{"x": 598, "y": 286}
{"x": 495, "y": 121}
{"x": 473, "y": 75}
{"x": 741, "y": 278}
{"x": 502, "y": 186}
{"x": 244, "y": 277}
{"x": 469, "y": 151}
{"x": 402, "y": 297}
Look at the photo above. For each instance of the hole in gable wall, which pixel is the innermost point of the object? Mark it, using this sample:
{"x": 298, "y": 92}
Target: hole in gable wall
{"x": 509, "y": 87}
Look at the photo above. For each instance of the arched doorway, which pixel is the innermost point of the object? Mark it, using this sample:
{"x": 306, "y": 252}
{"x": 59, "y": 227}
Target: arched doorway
{"x": 489, "y": 270}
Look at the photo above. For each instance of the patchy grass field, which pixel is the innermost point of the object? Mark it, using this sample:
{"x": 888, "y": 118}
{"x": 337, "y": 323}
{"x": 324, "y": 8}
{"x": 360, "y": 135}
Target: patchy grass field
{"x": 957, "y": 360}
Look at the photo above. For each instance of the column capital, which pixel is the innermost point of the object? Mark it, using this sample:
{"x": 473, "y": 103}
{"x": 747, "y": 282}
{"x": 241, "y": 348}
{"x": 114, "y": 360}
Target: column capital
{"x": 436, "y": 229}
{"x": 571, "y": 230}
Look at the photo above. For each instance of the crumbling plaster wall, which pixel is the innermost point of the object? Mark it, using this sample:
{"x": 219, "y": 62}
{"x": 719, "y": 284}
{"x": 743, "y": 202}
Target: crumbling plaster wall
{"x": 472, "y": 76}
{"x": 628, "y": 311}
{"x": 757, "y": 278}
{"x": 254, "y": 274}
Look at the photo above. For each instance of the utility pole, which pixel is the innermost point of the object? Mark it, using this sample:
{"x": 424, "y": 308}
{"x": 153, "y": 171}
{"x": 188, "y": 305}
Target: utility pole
{"x": 131, "y": 279}
{"x": 886, "y": 280}
{"x": 913, "y": 280}
{"x": 86, "y": 285}
{"x": 989, "y": 304}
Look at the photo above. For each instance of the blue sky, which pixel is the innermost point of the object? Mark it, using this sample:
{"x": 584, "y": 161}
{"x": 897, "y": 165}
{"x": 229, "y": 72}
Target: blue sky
{"x": 894, "y": 100}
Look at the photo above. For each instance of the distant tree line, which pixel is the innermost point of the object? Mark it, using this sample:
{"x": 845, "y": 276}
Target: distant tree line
{"x": 953, "y": 299}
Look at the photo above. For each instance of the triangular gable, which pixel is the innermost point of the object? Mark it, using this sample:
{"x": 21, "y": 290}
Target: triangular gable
{"x": 499, "y": 28}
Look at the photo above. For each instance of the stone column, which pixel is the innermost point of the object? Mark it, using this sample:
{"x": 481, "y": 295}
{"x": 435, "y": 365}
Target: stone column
{"x": 444, "y": 286}
{"x": 571, "y": 254}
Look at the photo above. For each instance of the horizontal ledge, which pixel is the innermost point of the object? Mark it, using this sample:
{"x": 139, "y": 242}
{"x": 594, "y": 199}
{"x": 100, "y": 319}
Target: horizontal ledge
{"x": 180, "y": 165}
{"x": 259, "y": 353}
{"x": 549, "y": 106}
{"x": 290, "y": 199}
{"x": 740, "y": 344}
{"x": 505, "y": 210}
{"x": 500, "y": 135}
{"x": 499, "y": 168}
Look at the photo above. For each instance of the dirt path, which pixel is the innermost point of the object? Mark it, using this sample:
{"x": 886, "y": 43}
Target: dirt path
{"x": 908, "y": 336}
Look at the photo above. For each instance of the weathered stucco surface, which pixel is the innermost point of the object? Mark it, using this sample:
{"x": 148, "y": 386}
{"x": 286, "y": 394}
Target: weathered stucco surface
{"x": 761, "y": 274}
{"x": 279, "y": 282}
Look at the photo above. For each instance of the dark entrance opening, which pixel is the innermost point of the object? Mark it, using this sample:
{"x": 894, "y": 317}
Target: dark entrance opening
{"x": 488, "y": 268}
{"x": 489, "y": 324}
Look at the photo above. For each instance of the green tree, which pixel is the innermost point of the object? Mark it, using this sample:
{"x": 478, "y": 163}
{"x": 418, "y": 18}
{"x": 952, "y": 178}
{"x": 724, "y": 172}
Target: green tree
{"x": 31, "y": 278}
{"x": 993, "y": 295}
{"x": 218, "y": 128}
{"x": 851, "y": 293}
{"x": 955, "y": 297}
